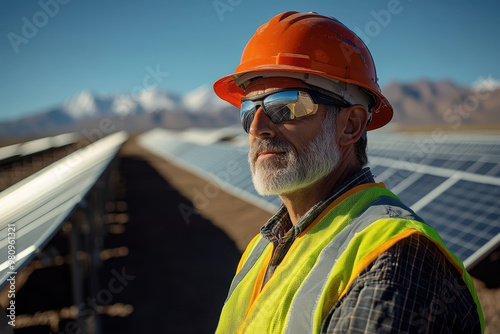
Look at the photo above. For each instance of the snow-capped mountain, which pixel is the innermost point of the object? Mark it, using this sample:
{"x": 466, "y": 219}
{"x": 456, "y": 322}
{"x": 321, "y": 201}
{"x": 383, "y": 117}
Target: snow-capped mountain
{"x": 202, "y": 99}
{"x": 82, "y": 105}
{"x": 153, "y": 100}
{"x": 86, "y": 104}
{"x": 136, "y": 111}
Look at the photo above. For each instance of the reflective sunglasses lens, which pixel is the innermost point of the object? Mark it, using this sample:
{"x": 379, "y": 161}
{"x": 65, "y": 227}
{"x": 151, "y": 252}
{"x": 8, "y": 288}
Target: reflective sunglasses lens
{"x": 280, "y": 105}
{"x": 247, "y": 112}
{"x": 285, "y": 106}
{"x": 304, "y": 106}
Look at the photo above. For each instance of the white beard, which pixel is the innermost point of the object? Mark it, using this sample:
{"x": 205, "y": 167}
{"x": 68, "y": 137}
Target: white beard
{"x": 289, "y": 172}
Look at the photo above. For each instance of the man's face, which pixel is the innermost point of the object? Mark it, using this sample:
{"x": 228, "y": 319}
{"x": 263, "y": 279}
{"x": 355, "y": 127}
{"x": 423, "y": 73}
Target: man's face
{"x": 288, "y": 156}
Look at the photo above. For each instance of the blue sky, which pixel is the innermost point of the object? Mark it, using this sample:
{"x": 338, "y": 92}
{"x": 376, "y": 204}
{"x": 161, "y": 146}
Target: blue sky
{"x": 51, "y": 50}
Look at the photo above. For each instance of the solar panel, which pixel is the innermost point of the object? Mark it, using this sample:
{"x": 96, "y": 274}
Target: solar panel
{"x": 8, "y": 152}
{"x": 456, "y": 188}
{"x": 453, "y": 184}
{"x": 36, "y": 206}
{"x": 485, "y": 167}
{"x": 378, "y": 170}
{"x": 423, "y": 185}
{"x": 467, "y": 216}
{"x": 393, "y": 177}
{"x": 37, "y": 145}
{"x": 438, "y": 162}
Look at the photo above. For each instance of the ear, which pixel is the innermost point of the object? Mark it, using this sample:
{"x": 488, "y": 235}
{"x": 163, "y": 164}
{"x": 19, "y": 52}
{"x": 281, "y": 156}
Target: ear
{"x": 351, "y": 124}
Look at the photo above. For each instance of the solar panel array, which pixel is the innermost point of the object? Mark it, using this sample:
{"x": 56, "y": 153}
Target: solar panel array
{"x": 36, "y": 146}
{"x": 32, "y": 210}
{"x": 453, "y": 182}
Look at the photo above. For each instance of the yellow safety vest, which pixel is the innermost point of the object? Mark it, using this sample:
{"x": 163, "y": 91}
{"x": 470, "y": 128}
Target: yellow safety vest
{"x": 321, "y": 263}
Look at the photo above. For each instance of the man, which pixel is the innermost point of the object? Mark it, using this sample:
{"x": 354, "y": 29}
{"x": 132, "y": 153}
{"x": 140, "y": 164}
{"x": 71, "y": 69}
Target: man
{"x": 342, "y": 254}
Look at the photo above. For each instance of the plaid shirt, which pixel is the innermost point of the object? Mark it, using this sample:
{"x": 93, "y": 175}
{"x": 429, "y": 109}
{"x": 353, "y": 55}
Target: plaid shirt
{"x": 411, "y": 288}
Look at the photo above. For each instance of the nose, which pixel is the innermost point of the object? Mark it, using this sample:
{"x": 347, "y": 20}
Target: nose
{"x": 262, "y": 126}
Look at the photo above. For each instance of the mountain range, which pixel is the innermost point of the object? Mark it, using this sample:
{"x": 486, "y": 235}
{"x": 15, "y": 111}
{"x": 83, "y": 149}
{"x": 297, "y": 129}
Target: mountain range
{"x": 133, "y": 112}
{"x": 416, "y": 104}
{"x": 432, "y": 103}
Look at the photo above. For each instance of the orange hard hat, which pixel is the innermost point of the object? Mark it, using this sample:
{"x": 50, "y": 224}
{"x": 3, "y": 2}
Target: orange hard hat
{"x": 311, "y": 45}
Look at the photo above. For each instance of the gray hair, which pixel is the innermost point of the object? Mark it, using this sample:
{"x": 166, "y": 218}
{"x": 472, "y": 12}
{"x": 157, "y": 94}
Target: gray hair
{"x": 360, "y": 145}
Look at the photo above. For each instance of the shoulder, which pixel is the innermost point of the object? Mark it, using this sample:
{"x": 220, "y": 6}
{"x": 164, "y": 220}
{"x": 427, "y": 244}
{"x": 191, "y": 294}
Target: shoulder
{"x": 411, "y": 287}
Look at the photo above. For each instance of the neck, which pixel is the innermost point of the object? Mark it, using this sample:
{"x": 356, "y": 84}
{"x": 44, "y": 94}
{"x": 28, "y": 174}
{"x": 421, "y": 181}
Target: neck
{"x": 302, "y": 200}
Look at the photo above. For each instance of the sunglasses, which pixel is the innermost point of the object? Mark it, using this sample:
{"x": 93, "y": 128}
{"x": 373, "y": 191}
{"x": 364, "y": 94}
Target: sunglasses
{"x": 284, "y": 105}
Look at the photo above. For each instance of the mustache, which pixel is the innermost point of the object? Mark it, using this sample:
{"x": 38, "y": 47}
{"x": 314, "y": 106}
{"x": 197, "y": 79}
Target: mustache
{"x": 268, "y": 145}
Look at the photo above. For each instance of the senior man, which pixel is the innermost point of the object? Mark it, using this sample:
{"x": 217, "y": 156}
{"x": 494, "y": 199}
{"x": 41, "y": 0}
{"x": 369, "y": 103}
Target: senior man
{"x": 342, "y": 254}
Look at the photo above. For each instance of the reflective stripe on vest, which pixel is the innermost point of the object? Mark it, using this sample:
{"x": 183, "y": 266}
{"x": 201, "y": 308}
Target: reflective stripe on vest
{"x": 319, "y": 267}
